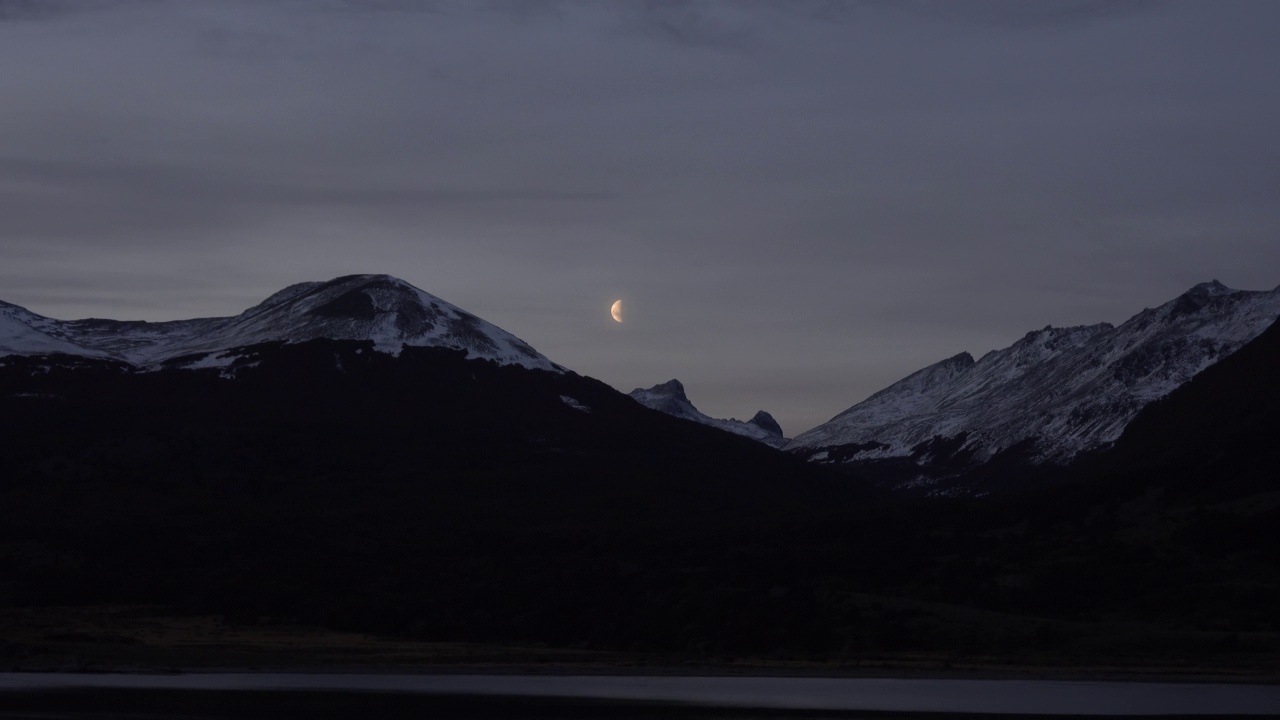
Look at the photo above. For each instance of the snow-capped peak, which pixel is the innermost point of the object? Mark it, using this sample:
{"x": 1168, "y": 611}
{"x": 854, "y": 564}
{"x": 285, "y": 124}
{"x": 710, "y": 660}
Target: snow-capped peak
{"x": 389, "y": 311}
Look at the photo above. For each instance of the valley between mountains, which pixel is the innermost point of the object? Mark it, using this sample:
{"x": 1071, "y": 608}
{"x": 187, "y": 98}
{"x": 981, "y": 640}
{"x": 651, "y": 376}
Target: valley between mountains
{"x": 361, "y": 456}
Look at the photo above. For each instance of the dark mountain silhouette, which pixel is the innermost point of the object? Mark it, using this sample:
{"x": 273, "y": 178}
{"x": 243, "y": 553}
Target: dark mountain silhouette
{"x": 425, "y": 494}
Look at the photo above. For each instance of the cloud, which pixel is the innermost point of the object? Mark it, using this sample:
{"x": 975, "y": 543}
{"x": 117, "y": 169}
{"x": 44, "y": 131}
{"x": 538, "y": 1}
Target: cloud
{"x": 25, "y": 10}
{"x": 693, "y": 23}
{"x": 141, "y": 203}
{"x": 1017, "y": 14}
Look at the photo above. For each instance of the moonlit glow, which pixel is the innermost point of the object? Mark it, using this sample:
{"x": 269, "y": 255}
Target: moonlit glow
{"x": 616, "y": 310}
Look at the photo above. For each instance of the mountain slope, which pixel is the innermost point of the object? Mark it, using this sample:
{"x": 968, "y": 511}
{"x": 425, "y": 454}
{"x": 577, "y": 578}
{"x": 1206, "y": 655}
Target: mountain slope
{"x": 670, "y": 398}
{"x": 1178, "y": 517}
{"x": 1065, "y": 390}
{"x": 390, "y": 312}
{"x": 1217, "y": 433}
{"x": 22, "y": 332}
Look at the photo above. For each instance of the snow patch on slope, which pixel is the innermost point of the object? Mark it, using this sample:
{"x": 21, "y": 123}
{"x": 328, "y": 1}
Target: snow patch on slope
{"x": 573, "y": 403}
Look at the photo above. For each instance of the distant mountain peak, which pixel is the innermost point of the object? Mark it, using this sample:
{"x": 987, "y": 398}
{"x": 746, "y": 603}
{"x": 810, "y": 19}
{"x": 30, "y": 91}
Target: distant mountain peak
{"x": 1213, "y": 287}
{"x": 670, "y": 398}
{"x": 387, "y": 310}
{"x": 1201, "y": 299}
{"x": 765, "y": 421}
{"x": 672, "y": 387}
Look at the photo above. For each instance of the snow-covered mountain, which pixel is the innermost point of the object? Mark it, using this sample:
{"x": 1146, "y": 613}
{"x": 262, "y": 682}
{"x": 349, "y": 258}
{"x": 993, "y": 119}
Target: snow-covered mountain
{"x": 670, "y": 398}
{"x": 389, "y": 311}
{"x": 1066, "y": 390}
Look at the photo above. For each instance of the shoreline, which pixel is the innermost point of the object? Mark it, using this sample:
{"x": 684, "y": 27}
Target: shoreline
{"x": 886, "y": 672}
{"x": 148, "y": 640}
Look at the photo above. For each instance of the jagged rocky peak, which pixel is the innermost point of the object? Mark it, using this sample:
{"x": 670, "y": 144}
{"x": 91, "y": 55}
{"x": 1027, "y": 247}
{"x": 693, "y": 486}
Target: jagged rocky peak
{"x": 384, "y": 309}
{"x": 1211, "y": 288}
{"x": 765, "y": 421}
{"x": 670, "y": 398}
{"x": 673, "y": 388}
{"x": 1206, "y": 296}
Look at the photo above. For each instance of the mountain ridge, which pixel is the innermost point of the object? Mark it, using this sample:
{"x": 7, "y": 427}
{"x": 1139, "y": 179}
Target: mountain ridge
{"x": 387, "y": 310}
{"x": 1065, "y": 390}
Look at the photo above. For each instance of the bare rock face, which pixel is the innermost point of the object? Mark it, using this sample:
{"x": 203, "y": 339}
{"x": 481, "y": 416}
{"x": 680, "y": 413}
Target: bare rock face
{"x": 765, "y": 422}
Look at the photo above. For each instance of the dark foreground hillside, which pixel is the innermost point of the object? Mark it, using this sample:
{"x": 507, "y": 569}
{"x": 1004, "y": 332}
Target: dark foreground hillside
{"x": 1173, "y": 527}
{"x": 435, "y": 498}
{"x": 426, "y": 495}
{"x": 1217, "y": 436}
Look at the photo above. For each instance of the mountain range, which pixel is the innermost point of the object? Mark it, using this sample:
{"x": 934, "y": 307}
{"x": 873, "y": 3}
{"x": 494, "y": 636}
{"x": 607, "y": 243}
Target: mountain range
{"x": 461, "y": 490}
{"x": 1048, "y": 398}
{"x": 1052, "y": 395}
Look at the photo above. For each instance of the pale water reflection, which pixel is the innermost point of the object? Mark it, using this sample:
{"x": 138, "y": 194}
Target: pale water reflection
{"x": 1013, "y": 697}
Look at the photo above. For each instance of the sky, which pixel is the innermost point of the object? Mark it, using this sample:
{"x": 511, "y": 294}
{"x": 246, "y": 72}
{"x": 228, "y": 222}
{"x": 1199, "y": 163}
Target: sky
{"x": 798, "y": 201}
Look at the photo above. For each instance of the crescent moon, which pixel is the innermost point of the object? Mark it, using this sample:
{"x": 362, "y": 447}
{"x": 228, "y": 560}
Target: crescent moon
{"x": 616, "y": 310}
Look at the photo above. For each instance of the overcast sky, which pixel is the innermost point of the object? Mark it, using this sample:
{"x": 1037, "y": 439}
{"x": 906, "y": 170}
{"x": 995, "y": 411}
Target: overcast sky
{"x": 798, "y": 201}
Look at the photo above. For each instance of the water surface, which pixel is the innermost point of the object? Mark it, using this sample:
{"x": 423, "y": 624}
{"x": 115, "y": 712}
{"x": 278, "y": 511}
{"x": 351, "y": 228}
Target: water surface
{"x": 772, "y": 694}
